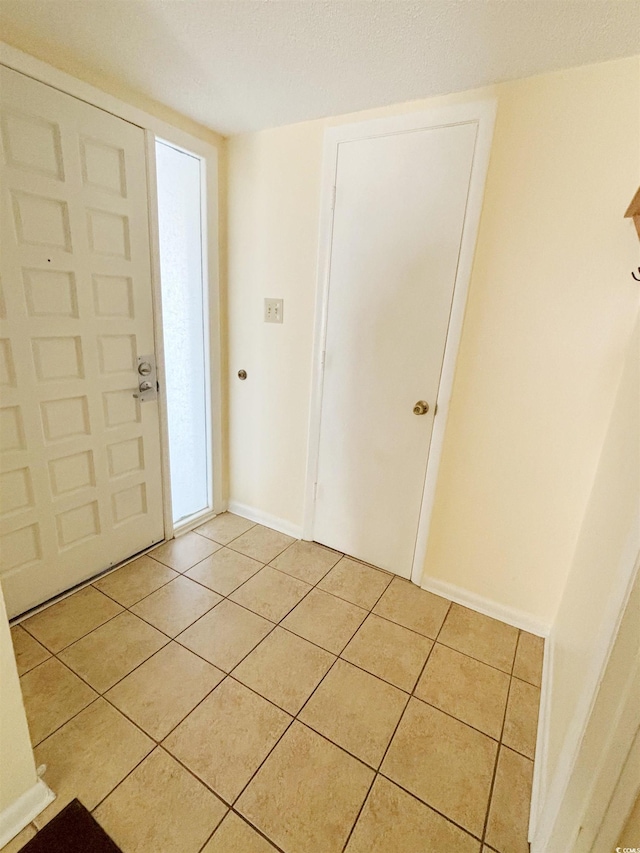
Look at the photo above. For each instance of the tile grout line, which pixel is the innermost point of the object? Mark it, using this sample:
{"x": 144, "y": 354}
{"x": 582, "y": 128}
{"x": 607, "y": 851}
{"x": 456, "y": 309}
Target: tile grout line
{"x": 170, "y": 639}
{"x": 90, "y": 582}
{"x": 95, "y": 628}
{"x": 226, "y": 674}
{"x": 295, "y": 718}
{"x": 159, "y": 744}
{"x": 101, "y": 695}
{"x": 432, "y": 808}
{"x": 495, "y": 767}
{"x": 397, "y": 726}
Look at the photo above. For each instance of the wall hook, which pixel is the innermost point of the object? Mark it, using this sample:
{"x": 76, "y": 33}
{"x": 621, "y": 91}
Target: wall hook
{"x": 633, "y": 275}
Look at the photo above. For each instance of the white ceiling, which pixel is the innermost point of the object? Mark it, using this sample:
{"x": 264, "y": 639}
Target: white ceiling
{"x": 240, "y": 65}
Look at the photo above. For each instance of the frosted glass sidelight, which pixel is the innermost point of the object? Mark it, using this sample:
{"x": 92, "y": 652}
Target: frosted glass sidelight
{"x": 185, "y": 328}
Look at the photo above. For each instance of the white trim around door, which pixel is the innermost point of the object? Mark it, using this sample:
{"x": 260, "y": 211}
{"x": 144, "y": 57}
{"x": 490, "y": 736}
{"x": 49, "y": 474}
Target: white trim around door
{"x": 208, "y": 154}
{"x": 482, "y": 113}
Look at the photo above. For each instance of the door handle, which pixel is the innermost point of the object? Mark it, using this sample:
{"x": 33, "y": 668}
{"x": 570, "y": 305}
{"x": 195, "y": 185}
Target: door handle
{"x": 421, "y": 408}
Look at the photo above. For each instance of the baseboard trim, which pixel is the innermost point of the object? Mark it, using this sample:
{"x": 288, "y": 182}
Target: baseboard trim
{"x": 260, "y": 517}
{"x": 488, "y": 607}
{"x": 25, "y": 809}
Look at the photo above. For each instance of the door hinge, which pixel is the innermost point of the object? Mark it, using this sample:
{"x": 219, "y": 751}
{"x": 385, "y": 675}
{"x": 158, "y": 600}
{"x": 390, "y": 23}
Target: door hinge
{"x": 315, "y": 491}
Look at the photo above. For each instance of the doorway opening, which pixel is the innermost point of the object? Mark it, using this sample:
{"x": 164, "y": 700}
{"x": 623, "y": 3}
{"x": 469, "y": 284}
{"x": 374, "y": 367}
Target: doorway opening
{"x": 185, "y": 323}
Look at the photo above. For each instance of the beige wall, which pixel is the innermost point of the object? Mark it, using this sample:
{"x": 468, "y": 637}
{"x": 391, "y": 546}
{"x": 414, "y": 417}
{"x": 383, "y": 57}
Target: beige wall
{"x": 584, "y": 805}
{"x": 550, "y": 313}
{"x": 607, "y": 549}
{"x": 630, "y": 836}
{"x": 16, "y": 756}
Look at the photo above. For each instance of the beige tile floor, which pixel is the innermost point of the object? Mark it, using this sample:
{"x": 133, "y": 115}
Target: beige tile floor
{"x": 236, "y": 691}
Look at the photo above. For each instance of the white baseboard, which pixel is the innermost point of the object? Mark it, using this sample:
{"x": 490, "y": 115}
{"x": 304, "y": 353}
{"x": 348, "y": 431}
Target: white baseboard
{"x": 261, "y": 517}
{"x": 21, "y": 812}
{"x": 488, "y": 607}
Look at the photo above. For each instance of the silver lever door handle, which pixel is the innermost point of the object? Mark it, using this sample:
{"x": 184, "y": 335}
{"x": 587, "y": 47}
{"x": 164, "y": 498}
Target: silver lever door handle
{"x": 144, "y": 386}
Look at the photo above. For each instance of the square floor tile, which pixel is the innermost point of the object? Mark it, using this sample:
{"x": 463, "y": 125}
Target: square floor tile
{"x": 225, "y": 527}
{"x": 110, "y": 652}
{"x": 184, "y": 551}
{"x": 235, "y": 836}
{"x": 261, "y": 543}
{"x": 160, "y": 808}
{"x": 355, "y": 710}
{"x": 227, "y": 737}
{"x": 465, "y": 688}
{"x": 285, "y": 669}
{"x": 509, "y": 813}
{"x": 307, "y": 794}
{"x": 326, "y": 620}
{"x": 529, "y": 657}
{"x": 521, "y": 722}
{"x": 28, "y": 652}
{"x": 135, "y": 581}
{"x": 444, "y": 762}
{"x": 176, "y": 606}
{"x": 226, "y": 634}
{"x": 306, "y": 561}
{"x": 389, "y": 651}
{"x": 355, "y": 582}
{"x": 480, "y": 637}
{"x": 415, "y": 608}
{"x": 73, "y": 617}
{"x": 393, "y": 820}
{"x": 224, "y": 571}
{"x": 89, "y": 756}
{"x": 161, "y": 692}
{"x": 271, "y": 593}
{"x": 52, "y": 694}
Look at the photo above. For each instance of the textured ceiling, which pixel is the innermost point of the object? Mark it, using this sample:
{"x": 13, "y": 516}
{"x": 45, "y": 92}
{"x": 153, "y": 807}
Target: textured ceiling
{"x": 239, "y": 65}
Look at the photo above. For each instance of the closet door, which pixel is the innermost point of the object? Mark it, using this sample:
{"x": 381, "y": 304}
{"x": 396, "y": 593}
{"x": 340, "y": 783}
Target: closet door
{"x": 400, "y": 207}
{"x": 80, "y": 473}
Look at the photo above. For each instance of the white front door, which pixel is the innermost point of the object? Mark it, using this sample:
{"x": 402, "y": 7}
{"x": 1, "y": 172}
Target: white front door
{"x": 80, "y": 479}
{"x": 400, "y": 204}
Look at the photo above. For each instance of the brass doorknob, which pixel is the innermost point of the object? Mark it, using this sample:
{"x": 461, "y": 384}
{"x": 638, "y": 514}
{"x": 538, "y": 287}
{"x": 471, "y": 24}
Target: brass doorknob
{"x": 421, "y": 408}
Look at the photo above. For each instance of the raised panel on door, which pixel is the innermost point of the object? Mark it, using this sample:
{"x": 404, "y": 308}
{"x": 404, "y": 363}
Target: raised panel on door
{"x": 79, "y": 455}
{"x": 399, "y": 213}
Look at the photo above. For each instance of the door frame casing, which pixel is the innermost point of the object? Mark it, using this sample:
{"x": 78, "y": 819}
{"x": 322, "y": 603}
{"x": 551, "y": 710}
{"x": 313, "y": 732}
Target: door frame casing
{"x": 154, "y": 127}
{"x": 483, "y": 113}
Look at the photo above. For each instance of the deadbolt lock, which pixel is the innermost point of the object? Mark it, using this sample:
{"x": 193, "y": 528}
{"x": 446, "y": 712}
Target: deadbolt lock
{"x": 148, "y": 385}
{"x": 421, "y": 408}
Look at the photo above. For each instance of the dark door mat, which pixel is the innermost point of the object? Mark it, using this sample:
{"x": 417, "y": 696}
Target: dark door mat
{"x": 74, "y": 830}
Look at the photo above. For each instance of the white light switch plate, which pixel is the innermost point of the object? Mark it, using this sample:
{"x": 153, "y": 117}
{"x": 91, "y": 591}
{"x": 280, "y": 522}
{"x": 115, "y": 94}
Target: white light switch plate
{"x": 273, "y": 310}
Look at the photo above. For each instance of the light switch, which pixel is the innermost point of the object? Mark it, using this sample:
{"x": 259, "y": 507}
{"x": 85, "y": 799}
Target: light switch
{"x": 273, "y": 310}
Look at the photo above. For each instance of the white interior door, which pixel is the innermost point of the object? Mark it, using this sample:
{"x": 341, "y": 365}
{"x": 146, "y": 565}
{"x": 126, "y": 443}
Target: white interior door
{"x": 399, "y": 211}
{"x": 80, "y": 480}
